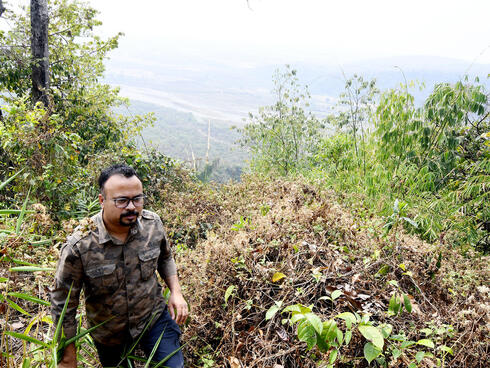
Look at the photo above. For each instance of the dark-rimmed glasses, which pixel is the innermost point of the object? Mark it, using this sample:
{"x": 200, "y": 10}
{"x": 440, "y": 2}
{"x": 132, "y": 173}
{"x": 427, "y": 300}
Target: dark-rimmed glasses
{"x": 123, "y": 202}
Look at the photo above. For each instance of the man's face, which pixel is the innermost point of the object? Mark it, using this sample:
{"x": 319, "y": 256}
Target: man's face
{"x": 118, "y": 186}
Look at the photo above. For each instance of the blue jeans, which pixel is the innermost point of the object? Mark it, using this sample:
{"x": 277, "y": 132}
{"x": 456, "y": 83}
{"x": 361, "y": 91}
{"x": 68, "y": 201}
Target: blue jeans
{"x": 110, "y": 356}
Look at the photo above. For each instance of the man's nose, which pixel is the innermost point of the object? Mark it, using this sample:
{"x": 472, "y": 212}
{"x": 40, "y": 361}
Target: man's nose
{"x": 130, "y": 205}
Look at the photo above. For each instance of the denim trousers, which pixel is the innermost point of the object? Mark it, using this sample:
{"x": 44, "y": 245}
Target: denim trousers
{"x": 111, "y": 356}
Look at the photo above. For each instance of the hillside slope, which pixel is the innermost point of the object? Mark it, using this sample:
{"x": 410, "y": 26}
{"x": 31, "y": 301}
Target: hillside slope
{"x": 263, "y": 243}
{"x": 247, "y": 250}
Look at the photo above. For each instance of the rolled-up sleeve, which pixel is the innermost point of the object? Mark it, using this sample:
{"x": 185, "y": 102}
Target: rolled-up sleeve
{"x": 68, "y": 275}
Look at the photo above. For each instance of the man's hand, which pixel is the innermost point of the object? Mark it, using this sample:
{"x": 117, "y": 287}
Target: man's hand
{"x": 69, "y": 357}
{"x": 178, "y": 308}
{"x": 177, "y": 305}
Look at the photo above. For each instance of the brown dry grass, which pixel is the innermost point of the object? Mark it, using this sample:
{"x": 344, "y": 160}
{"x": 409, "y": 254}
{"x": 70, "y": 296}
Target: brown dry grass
{"x": 306, "y": 231}
{"x": 297, "y": 229}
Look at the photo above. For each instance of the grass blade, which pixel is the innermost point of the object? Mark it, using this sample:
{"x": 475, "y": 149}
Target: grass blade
{"x": 82, "y": 334}
{"x": 31, "y": 269}
{"x": 2, "y": 185}
{"x": 154, "y": 350}
{"x": 57, "y": 331}
{"x": 171, "y": 354}
{"x": 17, "y": 307}
{"x": 29, "y": 298}
{"x": 13, "y": 212}
{"x": 27, "y": 338}
{"x": 22, "y": 214}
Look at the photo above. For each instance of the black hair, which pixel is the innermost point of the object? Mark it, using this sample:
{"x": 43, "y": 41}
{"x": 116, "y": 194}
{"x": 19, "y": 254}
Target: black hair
{"x": 118, "y": 169}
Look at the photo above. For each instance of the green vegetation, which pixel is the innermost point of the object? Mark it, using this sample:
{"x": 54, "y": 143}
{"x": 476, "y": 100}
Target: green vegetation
{"x": 283, "y": 137}
{"x": 181, "y": 136}
{"x": 365, "y": 247}
{"x": 435, "y": 159}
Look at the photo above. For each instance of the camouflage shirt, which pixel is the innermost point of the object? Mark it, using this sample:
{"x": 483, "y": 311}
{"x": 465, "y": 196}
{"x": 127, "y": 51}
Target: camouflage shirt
{"x": 118, "y": 278}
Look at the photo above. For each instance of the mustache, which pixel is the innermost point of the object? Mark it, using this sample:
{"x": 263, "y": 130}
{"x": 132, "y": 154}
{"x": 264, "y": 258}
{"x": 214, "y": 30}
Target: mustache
{"x": 130, "y": 213}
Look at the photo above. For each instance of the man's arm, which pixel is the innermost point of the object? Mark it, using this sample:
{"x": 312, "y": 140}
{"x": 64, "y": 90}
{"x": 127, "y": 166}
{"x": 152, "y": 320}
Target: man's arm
{"x": 68, "y": 276}
{"x": 176, "y": 304}
{"x": 166, "y": 268}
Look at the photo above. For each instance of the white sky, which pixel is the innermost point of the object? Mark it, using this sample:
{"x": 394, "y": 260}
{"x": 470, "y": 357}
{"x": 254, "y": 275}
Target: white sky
{"x": 336, "y": 30}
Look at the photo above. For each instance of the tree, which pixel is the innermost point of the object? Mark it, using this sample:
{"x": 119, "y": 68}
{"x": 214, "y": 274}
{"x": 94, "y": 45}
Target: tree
{"x": 356, "y": 105}
{"x": 40, "y": 51}
{"x": 282, "y": 137}
{"x": 55, "y": 148}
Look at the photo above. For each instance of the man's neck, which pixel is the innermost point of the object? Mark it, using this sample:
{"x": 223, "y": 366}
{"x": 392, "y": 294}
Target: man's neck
{"x": 118, "y": 232}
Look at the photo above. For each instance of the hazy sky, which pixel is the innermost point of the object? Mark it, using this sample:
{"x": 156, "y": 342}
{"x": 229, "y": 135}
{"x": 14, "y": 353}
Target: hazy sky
{"x": 339, "y": 30}
{"x": 313, "y": 30}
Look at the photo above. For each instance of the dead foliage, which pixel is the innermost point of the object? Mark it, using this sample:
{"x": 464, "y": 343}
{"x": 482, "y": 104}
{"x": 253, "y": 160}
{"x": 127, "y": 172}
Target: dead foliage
{"x": 257, "y": 228}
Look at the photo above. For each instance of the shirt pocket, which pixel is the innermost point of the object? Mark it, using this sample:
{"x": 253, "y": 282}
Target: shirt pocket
{"x": 148, "y": 262}
{"x": 103, "y": 276}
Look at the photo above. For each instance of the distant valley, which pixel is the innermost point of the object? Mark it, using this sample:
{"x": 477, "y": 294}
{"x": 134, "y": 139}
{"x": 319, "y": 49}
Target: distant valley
{"x": 186, "y": 95}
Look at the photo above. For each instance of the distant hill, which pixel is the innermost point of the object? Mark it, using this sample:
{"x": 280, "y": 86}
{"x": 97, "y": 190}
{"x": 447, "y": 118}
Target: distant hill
{"x": 186, "y": 93}
{"x": 182, "y": 136}
{"x": 227, "y": 92}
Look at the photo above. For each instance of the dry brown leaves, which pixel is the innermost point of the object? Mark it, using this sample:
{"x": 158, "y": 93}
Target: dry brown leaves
{"x": 302, "y": 232}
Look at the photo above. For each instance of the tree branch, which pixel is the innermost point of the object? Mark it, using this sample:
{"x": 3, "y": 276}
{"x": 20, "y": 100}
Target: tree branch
{"x": 2, "y": 8}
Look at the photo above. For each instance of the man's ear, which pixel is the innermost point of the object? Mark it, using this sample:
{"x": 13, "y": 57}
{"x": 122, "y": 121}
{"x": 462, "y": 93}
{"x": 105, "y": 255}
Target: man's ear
{"x": 101, "y": 200}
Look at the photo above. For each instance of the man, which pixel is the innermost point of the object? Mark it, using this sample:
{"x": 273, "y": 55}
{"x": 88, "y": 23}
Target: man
{"x": 114, "y": 258}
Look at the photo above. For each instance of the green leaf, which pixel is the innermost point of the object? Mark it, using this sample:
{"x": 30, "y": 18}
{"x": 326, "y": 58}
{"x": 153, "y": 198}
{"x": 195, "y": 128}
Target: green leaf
{"x": 307, "y": 333}
{"x": 297, "y": 317}
{"x": 348, "y": 337}
{"x": 335, "y": 294}
{"x": 315, "y": 321}
{"x": 292, "y": 308}
{"x": 372, "y": 334}
{"x": 348, "y": 317}
{"x": 371, "y": 352}
{"x": 383, "y": 271}
{"x": 408, "y": 305}
{"x": 426, "y": 342}
{"x": 340, "y": 336}
{"x": 330, "y": 330}
{"x": 427, "y": 331}
{"x": 29, "y": 298}
{"x": 396, "y": 353}
{"x": 386, "y": 330}
{"x": 333, "y": 356}
{"x": 271, "y": 312}
{"x": 26, "y": 363}
{"x": 228, "y": 293}
{"x": 13, "y": 212}
{"x": 393, "y": 305}
{"x": 447, "y": 349}
{"x": 419, "y": 356}
{"x": 407, "y": 344}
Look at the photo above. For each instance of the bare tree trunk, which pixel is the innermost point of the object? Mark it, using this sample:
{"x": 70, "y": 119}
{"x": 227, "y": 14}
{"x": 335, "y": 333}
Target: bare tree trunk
{"x": 40, "y": 51}
{"x": 2, "y": 9}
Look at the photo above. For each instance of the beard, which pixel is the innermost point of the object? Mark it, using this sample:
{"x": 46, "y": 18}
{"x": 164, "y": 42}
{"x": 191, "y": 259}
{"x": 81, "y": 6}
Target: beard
{"x": 125, "y": 222}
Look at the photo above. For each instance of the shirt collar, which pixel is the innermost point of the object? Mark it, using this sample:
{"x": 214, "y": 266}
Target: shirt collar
{"x": 104, "y": 235}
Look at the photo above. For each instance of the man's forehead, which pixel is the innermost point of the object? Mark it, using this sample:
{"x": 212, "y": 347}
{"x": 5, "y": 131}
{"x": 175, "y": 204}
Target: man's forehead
{"x": 120, "y": 182}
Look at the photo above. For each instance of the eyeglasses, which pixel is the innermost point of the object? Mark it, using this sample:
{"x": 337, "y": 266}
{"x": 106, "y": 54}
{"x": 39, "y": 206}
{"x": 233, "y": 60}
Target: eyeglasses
{"x": 123, "y": 202}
